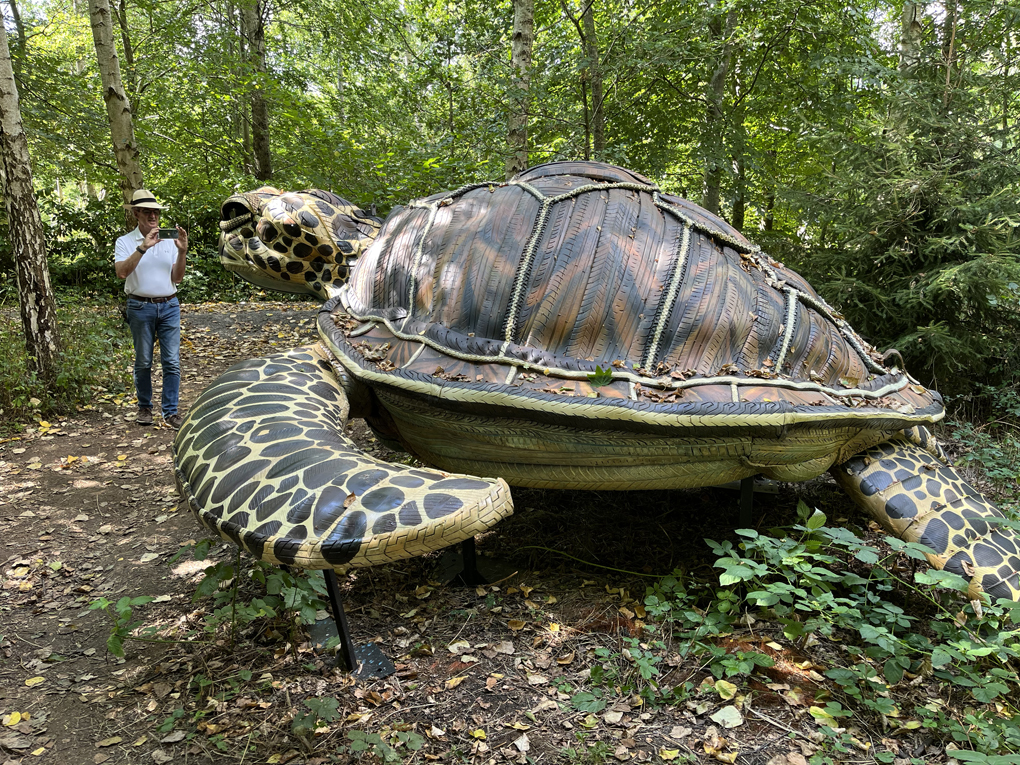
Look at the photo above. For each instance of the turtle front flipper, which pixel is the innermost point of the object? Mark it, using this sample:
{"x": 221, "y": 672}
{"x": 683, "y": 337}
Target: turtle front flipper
{"x": 919, "y": 497}
{"x": 262, "y": 459}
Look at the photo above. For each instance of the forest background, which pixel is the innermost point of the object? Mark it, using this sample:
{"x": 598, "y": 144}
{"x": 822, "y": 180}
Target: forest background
{"x": 870, "y": 145}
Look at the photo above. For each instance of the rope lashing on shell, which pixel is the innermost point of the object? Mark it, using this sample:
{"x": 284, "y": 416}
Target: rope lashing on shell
{"x": 670, "y": 298}
{"x": 791, "y": 319}
{"x": 632, "y": 377}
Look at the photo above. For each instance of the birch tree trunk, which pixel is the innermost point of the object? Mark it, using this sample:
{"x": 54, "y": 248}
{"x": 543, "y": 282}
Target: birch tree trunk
{"x": 522, "y": 45}
{"x": 38, "y": 308}
{"x": 253, "y": 27}
{"x": 910, "y": 36}
{"x": 118, "y": 107}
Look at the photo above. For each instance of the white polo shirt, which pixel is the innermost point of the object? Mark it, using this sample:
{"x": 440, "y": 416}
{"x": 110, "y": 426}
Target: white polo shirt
{"x": 151, "y": 277}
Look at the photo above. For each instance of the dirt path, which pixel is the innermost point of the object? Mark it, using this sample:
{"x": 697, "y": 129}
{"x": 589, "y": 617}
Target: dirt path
{"x": 484, "y": 674}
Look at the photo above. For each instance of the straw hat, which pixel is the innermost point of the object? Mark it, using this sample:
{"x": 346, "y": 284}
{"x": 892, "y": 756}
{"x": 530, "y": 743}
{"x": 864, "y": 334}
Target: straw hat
{"x": 145, "y": 198}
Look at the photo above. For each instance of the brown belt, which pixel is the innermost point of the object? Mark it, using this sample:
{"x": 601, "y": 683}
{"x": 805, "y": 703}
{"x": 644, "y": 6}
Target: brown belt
{"x": 153, "y": 299}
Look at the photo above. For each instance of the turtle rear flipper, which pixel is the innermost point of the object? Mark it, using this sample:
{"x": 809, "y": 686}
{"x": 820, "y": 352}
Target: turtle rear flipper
{"x": 262, "y": 459}
{"x": 919, "y": 498}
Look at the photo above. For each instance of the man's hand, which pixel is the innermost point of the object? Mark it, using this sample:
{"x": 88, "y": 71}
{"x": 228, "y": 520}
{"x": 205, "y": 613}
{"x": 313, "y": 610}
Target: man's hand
{"x": 150, "y": 239}
{"x": 181, "y": 241}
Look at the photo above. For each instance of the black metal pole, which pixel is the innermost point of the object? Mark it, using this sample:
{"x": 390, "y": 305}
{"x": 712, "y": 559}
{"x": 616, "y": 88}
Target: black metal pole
{"x": 470, "y": 573}
{"x": 342, "y": 630}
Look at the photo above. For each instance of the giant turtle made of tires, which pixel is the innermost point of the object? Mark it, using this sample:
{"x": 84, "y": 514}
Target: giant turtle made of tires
{"x": 574, "y": 327}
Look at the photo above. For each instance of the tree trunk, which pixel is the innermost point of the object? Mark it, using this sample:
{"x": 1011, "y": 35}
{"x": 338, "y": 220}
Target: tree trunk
{"x": 522, "y": 45}
{"x": 712, "y": 141}
{"x": 253, "y": 26}
{"x": 129, "y": 53}
{"x": 118, "y": 108}
{"x": 949, "y": 46}
{"x": 740, "y": 195}
{"x": 18, "y": 26}
{"x": 38, "y": 308}
{"x": 591, "y": 52}
{"x": 910, "y": 36}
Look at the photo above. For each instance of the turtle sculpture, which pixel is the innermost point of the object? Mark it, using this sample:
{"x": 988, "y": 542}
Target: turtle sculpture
{"x": 574, "y": 327}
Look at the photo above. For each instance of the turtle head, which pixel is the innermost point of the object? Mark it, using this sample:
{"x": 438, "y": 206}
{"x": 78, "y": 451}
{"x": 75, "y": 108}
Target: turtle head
{"x": 304, "y": 242}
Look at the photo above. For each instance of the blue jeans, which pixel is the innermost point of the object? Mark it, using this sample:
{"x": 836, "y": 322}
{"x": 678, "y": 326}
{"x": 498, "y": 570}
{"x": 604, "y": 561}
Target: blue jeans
{"x": 149, "y": 321}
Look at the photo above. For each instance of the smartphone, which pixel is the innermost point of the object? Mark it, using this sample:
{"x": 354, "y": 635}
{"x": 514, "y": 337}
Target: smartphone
{"x": 168, "y": 233}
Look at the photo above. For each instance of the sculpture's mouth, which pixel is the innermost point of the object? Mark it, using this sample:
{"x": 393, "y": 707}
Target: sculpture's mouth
{"x": 235, "y": 223}
{"x": 239, "y": 217}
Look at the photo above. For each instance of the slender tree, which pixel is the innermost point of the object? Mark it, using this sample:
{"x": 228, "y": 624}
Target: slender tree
{"x": 253, "y": 26}
{"x": 19, "y": 25}
{"x": 118, "y": 107}
{"x": 522, "y": 42}
{"x": 590, "y": 41}
{"x": 713, "y": 148}
{"x": 38, "y": 307}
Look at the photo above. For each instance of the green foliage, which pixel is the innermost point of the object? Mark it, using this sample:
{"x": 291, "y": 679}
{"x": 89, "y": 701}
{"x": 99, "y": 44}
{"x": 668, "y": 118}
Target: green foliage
{"x": 916, "y": 229}
{"x": 805, "y": 580}
{"x": 96, "y": 358}
{"x": 595, "y": 753}
{"x": 385, "y": 746}
{"x": 600, "y": 377}
{"x": 292, "y": 596}
{"x": 122, "y": 615}
{"x": 321, "y": 712}
{"x": 997, "y": 457}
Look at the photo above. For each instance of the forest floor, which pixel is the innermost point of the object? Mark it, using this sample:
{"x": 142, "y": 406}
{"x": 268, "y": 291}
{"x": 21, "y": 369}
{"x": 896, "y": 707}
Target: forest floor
{"x": 484, "y": 674}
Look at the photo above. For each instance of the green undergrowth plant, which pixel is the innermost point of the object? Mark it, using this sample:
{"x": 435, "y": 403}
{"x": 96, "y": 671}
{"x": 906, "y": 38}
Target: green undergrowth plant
{"x": 390, "y": 745}
{"x": 996, "y": 453}
{"x": 125, "y": 621}
{"x": 295, "y": 597}
{"x": 889, "y": 633}
{"x": 289, "y": 599}
{"x": 96, "y": 357}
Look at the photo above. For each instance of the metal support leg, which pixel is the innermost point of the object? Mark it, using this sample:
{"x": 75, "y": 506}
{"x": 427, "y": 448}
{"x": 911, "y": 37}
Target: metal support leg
{"x": 343, "y": 631}
{"x": 470, "y": 575}
{"x": 366, "y": 661}
{"x": 747, "y": 502}
{"x": 462, "y": 569}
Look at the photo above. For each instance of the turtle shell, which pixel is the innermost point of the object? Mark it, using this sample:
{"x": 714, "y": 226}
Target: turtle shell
{"x": 578, "y": 296}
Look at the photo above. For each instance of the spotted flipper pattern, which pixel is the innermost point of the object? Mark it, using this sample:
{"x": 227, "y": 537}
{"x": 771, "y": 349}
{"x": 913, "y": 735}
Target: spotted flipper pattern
{"x": 920, "y": 498}
{"x": 262, "y": 460}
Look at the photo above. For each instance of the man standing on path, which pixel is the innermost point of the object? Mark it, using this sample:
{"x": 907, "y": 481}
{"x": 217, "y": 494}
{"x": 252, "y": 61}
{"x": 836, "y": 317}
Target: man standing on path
{"x": 152, "y": 268}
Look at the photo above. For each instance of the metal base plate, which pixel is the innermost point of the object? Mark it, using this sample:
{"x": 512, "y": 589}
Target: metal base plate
{"x": 370, "y": 660}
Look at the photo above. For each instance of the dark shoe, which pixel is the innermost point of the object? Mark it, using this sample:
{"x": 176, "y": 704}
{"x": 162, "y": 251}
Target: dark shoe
{"x": 174, "y": 421}
{"x": 144, "y": 416}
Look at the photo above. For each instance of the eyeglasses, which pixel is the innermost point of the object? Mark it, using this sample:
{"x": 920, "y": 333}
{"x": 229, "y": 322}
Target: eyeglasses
{"x": 149, "y": 213}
